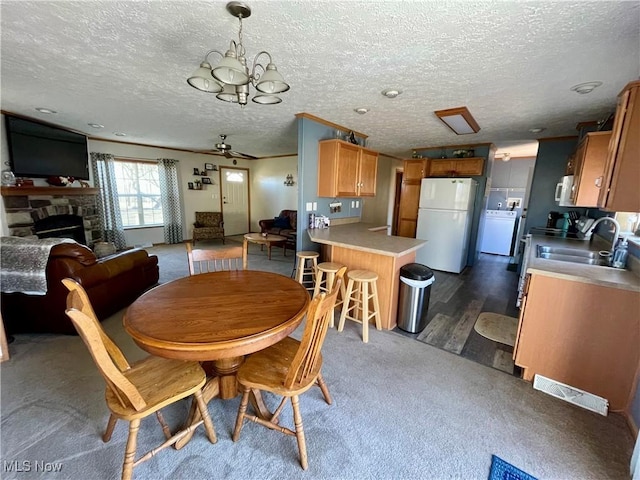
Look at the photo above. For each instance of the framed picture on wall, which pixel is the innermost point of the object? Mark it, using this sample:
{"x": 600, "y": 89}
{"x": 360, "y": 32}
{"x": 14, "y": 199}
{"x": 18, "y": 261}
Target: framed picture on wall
{"x": 206, "y": 180}
{"x": 190, "y": 185}
{"x": 208, "y": 166}
{"x": 196, "y": 171}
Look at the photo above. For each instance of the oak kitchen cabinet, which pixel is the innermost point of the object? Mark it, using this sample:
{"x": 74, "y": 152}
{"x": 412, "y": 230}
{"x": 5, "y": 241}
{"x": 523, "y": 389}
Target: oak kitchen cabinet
{"x": 456, "y": 167}
{"x": 346, "y": 170}
{"x": 414, "y": 171}
{"x": 590, "y": 158}
{"x": 568, "y": 332}
{"x": 619, "y": 190}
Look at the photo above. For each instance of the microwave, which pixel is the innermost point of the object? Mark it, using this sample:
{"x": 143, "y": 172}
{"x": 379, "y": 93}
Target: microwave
{"x": 564, "y": 191}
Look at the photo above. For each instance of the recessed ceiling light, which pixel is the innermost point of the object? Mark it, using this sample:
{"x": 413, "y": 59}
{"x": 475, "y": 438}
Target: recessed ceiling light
{"x": 45, "y": 110}
{"x": 586, "y": 87}
{"x": 119, "y": 134}
{"x": 95, "y": 125}
{"x": 361, "y": 110}
{"x": 391, "y": 92}
{"x": 536, "y": 130}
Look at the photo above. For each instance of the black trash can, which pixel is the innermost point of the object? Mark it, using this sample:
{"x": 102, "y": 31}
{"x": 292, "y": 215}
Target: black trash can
{"x": 413, "y": 300}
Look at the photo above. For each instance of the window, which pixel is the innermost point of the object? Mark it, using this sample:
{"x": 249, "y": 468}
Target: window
{"x": 138, "y": 193}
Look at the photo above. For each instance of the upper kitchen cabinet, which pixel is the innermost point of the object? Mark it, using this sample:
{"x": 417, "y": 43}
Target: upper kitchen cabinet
{"x": 456, "y": 167}
{"x": 346, "y": 170}
{"x": 619, "y": 190}
{"x": 413, "y": 173}
{"x": 590, "y": 158}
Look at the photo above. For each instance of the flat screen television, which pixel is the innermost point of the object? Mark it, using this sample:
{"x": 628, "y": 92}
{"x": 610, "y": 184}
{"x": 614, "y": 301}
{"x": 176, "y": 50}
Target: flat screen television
{"x": 39, "y": 150}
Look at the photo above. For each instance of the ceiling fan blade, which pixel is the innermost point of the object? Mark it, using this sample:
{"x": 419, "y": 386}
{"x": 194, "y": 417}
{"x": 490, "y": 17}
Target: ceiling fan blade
{"x": 243, "y": 155}
{"x": 228, "y": 154}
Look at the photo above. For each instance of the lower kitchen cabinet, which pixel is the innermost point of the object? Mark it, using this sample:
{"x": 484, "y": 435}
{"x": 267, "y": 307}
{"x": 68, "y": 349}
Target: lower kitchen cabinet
{"x": 580, "y": 334}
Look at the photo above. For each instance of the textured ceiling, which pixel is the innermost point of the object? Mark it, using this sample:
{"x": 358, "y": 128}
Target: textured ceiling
{"x": 124, "y": 65}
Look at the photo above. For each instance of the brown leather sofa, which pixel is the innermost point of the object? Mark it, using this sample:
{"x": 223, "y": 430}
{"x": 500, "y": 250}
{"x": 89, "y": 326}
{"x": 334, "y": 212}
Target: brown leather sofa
{"x": 112, "y": 283}
{"x": 274, "y": 226}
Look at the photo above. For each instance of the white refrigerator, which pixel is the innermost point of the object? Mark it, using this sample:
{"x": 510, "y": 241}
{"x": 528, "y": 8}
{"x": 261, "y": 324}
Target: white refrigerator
{"x": 444, "y": 221}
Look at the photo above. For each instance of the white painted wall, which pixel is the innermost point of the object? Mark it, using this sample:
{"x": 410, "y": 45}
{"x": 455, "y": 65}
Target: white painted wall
{"x": 207, "y": 199}
{"x": 269, "y": 195}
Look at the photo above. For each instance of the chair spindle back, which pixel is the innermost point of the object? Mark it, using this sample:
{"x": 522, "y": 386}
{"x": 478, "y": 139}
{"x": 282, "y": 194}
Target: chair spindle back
{"x": 319, "y": 315}
{"x": 226, "y": 258}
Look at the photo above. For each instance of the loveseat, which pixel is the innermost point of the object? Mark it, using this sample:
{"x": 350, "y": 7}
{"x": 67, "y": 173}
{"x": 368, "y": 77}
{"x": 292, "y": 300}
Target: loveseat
{"x": 284, "y": 224}
{"x": 112, "y": 283}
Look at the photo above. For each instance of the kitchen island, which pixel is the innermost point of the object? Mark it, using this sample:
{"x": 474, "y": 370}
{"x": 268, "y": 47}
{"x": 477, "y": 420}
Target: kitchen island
{"x": 358, "y": 247}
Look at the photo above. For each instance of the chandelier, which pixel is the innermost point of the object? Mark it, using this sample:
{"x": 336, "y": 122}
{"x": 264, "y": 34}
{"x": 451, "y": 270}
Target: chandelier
{"x": 230, "y": 79}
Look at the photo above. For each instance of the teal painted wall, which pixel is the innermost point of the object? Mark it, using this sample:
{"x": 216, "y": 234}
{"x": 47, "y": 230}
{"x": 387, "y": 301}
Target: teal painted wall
{"x": 550, "y": 166}
{"x": 309, "y": 134}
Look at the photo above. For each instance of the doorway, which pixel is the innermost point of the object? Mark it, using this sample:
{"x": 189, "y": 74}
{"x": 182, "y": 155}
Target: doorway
{"x": 234, "y": 184}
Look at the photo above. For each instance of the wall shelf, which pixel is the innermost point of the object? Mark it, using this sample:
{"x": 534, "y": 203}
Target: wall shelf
{"x": 64, "y": 191}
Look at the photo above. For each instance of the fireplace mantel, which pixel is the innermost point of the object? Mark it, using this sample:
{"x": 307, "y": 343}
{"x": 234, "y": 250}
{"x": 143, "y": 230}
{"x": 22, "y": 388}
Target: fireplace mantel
{"x": 16, "y": 191}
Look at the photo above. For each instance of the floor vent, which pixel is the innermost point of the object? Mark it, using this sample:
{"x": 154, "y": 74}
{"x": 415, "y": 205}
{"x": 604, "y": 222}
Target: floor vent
{"x": 571, "y": 394}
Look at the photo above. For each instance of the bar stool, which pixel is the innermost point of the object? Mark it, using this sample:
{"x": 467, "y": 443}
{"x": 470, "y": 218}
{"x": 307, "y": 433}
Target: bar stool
{"x": 360, "y": 281}
{"x": 306, "y": 266}
{"x": 324, "y": 283}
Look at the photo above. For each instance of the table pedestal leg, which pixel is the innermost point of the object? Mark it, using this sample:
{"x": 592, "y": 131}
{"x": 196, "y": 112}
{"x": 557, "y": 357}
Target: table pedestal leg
{"x": 226, "y": 369}
{"x": 225, "y": 386}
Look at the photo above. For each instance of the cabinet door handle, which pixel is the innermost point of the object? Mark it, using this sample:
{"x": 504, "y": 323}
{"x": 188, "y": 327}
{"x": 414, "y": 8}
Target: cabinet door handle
{"x": 598, "y": 181}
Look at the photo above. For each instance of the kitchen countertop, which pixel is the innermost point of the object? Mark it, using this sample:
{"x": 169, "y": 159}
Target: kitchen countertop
{"x": 593, "y": 274}
{"x": 358, "y": 236}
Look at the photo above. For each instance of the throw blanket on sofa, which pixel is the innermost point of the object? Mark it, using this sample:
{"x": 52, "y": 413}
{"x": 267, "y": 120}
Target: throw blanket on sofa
{"x": 24, "y": 263}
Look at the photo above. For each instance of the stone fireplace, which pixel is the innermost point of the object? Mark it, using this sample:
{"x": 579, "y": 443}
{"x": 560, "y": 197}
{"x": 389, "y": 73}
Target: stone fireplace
{"x": 53, "y": 212}
{"x": 61, "y": 226}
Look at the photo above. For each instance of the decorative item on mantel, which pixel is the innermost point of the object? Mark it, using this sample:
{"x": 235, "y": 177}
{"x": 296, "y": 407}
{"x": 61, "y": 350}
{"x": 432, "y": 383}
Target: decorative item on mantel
{"x": 60, "y": 181}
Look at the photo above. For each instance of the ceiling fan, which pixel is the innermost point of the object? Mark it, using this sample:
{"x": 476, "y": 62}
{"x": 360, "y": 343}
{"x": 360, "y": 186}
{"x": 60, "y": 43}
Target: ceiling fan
{"x": 225, "y": 149}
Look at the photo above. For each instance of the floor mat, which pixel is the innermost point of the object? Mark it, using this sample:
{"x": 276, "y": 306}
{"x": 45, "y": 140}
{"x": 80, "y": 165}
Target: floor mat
{"x": 496, "y": 327}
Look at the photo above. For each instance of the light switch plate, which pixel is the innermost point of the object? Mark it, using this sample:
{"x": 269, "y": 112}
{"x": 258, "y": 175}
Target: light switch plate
{"x": 309, "y": 206}
{"x": 315, "y": 206}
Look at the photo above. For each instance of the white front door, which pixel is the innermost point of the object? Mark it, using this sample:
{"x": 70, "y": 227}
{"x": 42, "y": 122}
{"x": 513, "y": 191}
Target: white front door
{"x": 235, "y": 200}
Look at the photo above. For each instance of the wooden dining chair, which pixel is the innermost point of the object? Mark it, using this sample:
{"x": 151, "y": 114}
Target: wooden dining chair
{"x": 289, "y": 368}
{"x": 226, "y": 258}
{"x": 138, "y": 390}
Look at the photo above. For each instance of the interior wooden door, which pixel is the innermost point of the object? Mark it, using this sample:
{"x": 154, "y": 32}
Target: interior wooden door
{"x": 414, "y": 171}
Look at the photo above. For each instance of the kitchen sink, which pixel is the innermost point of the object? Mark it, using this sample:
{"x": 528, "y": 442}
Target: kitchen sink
{"x": 574, "y": 255}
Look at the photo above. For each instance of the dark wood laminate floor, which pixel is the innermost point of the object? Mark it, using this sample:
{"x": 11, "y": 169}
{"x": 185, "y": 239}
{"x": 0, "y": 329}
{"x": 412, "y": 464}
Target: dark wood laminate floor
{"x": 458, "y": 299}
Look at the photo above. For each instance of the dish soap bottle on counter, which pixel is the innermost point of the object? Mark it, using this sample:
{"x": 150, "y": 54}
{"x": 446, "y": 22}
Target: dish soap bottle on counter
{"x": 620, "y": 255}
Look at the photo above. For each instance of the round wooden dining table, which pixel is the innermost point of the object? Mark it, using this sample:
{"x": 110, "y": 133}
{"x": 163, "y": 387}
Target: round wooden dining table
{"x": 217, "y": 317}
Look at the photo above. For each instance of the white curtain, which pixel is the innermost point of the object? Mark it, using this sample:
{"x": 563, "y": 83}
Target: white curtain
{"x": 635, "y": 460}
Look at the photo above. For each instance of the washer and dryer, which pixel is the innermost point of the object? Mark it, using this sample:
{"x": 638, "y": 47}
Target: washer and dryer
{"x": 498, "y": 231}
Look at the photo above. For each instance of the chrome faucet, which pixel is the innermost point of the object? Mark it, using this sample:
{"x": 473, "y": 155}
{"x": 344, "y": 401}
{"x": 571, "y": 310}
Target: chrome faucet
{"x": 616, "y": 230}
